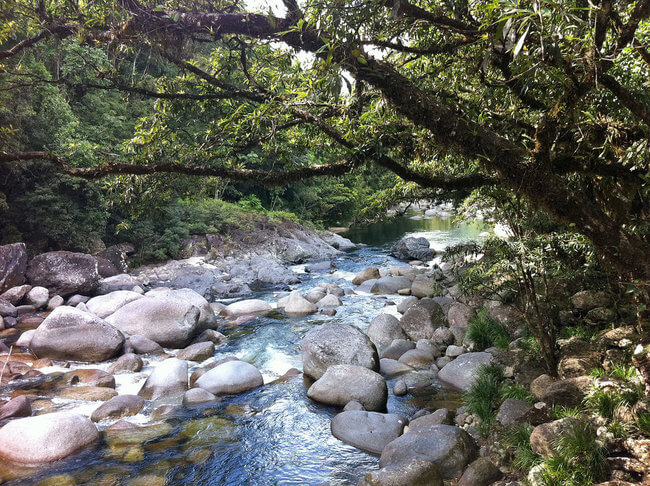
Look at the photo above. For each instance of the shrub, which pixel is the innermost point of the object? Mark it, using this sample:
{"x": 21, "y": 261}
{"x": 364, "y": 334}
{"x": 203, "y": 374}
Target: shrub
{"x": 485, "y": 332}
{"x": 518, "y": 439}
{"x": 578, "y": 459}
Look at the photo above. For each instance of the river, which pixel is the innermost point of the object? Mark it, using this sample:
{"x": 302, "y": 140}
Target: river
{"x": 273, "y": 435}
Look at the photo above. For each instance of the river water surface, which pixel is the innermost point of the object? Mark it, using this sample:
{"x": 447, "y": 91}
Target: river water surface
{"x": 273, "y": 435}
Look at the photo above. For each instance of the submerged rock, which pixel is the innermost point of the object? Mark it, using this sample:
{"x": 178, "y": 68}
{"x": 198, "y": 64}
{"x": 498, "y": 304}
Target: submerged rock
{"x": 333, "y": 344}
{"x": 341, "y": 384}
{"x": 369, "y": 431}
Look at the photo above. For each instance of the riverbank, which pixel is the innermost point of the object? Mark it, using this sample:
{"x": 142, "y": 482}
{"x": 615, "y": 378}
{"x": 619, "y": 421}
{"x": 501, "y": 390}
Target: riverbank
{"x": 211, "y": 392}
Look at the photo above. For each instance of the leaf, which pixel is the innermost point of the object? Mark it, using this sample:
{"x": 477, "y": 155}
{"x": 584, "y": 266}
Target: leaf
{"x": 520, "y": 43}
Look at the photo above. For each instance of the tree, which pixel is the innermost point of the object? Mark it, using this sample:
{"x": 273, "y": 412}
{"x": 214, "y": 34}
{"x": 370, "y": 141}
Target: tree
{"x": 545, "y": 99}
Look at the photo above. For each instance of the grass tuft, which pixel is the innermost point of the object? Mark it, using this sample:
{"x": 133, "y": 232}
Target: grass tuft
{"x": 485, "y": 332}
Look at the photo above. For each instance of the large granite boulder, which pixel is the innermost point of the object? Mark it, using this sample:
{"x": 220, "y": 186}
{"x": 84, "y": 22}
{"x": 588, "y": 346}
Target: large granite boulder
{"x": 104, "y": 305}
{"x": 334, "y": 344}
{"x": 168, "y": 378}
{"x": 416, "y": 471}
{"x": 169, "y": 322}
{"x": 230, "y": 378}
{"x": 64, "y": 273}
{"x": 482, "y": 472}
{"x": 390, "y": 285}
{"x": 384, "y": 329}
{"x": 122, "y": 281}
{"x": 410, "y": 248}
{"x": 207, "y": 319}
{"x": 248, "y": 307}
{"x": 13, "y": 265}
{"x": 462, "y": 371}
{"x": 46, "y": 438}
{"x": 422, "y": 319}
{"x": 545, "y": 435}
{"x": 449, "y": 447}
{"x": 70, "y": 334}
{"x": 341, "y": 384}
{"x": 369, "y": 431}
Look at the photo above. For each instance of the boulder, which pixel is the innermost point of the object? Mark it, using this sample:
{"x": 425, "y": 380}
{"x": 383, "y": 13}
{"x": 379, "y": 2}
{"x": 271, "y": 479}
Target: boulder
{"x": 368, "y": 431}
{"x": 13, "y": 265}
{"x": 168, "y": 322}
{"x": 207, "y": 319}
{"x": 566, "y": 393}
{"x": 168, "y": 378}
{"x": 126, "y": 362}
{"x": 341, "y": 384}
{"x": 25, "y": 338}
{"x": 64, "y": 272}
{"x": 46, "y": 438}
{"x": 70, "y": 334}
{"x": 482, "y": 472}
{"x": 544, "y": 436}
{"x": 313, "y": 296}
{"x": 443, "y": 336}
{"x": 423, "y": 286}
{"x": 586, "y": 300}
{"x": 54, "y": 302}
{"x": 384, "y": 329}
{"x": 415, "y": 471}
{"x": 353, "y": 405}
{"x": 122, "y": 281}
{"x": 329, "y": 301}
{"x": 538, "y": 385}
{"x": 197, "y": 352}
{"x": 230, "y": 378}
{"x": 210, "y": 335}
{"x": 390, "y": 285}
{"x": 297, "y": 305}
{"x": 514, "y": 411}
{"x": 87, "y": 393}
{"x": 371, "y": 273}
{"x": 248, "y": 307}
{"x": 195, "y": 396}
{"x": 142, "y": 345}
{"x": 406, "y": 303}
{"x": 15, "y": 294}
{"x": 19, "y": 406}
{"x": 105, "y": 305}
{"x": 334, "y": 344}
{"x": 461, "y": 372}
{"x": 460, "y": 314}
{"x": 399, "y": 388}
{"x": 38, "y": 297}
{"x": 397, "y": 348}
{"x": 325, "y": 265}
{"x": 89, "y": 376}
{"x": 449, "y": 447}
{"x": 454, "y": 351}
{"x": 7, "y": 309}
{"x": 417, "y": 358}
{"x": 391, "y": 367}
{"x": 118, "y": 407}
{"x": 442, "y": 416}
{"x": 410, "y": 248}
{"x": 422, "y": 319}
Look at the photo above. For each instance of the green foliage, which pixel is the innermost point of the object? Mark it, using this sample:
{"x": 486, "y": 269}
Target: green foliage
{"x": 560, "y": 412}
{"x": 642, "y": 423}
{"x": 515, "y": 390}
{"x": 619, "y": 371}
{"x": 485, "y": 332}
{"x": 578, "y": 459}
{"x": 484, "y": 396}
{"x": 517, "y": 438}
{"x": 587, "y": 333}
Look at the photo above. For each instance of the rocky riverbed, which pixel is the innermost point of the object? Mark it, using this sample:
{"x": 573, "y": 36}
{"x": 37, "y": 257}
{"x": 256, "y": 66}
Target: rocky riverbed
{"x": 346, "y": 367}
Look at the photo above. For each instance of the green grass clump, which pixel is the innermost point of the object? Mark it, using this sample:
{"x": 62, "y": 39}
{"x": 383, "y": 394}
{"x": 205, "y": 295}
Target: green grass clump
{"x": 484, "y": 396}
{"x": 618, "y": 371}
{"x": 517, "y": 438}
{"x": 578, "y": 459}
{"x": 583, "y": 332}
{"x": 560, "y": 412}
{"x": 642, "y": 423}
{"x": 515, "y": 390}
{"x": 485, "y": 332}
{"x": 606, "y": 402}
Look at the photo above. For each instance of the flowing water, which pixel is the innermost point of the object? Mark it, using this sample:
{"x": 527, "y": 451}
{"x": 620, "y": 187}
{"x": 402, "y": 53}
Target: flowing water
{"x": 273, "y": 435}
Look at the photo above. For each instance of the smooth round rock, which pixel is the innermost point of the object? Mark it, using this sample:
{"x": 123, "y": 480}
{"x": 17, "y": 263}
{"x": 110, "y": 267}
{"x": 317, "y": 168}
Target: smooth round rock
{"x": 368, "y": 431}
{"x": 248, "y": 307}
{"x": 46, "y": 438}
{"x": 104, "y": 305}
{"x": 70, "y": 334}
{"x": 194, "y": 396}
{"x": 118, "y": 407}
{"x": 167, "y": 378}
{"x": 231, "y": 378}
{"x": 462, "y": 371}
{"x": 126, "y": 362}
{"x": 342, "y": 383}
{"x": 384, "y": 329}
{"x": 197, "y": 352}
{"x": 334, "y": 344}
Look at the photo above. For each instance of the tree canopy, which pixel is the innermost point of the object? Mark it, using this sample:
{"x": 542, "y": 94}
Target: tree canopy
{"x": 547, "y": 100}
